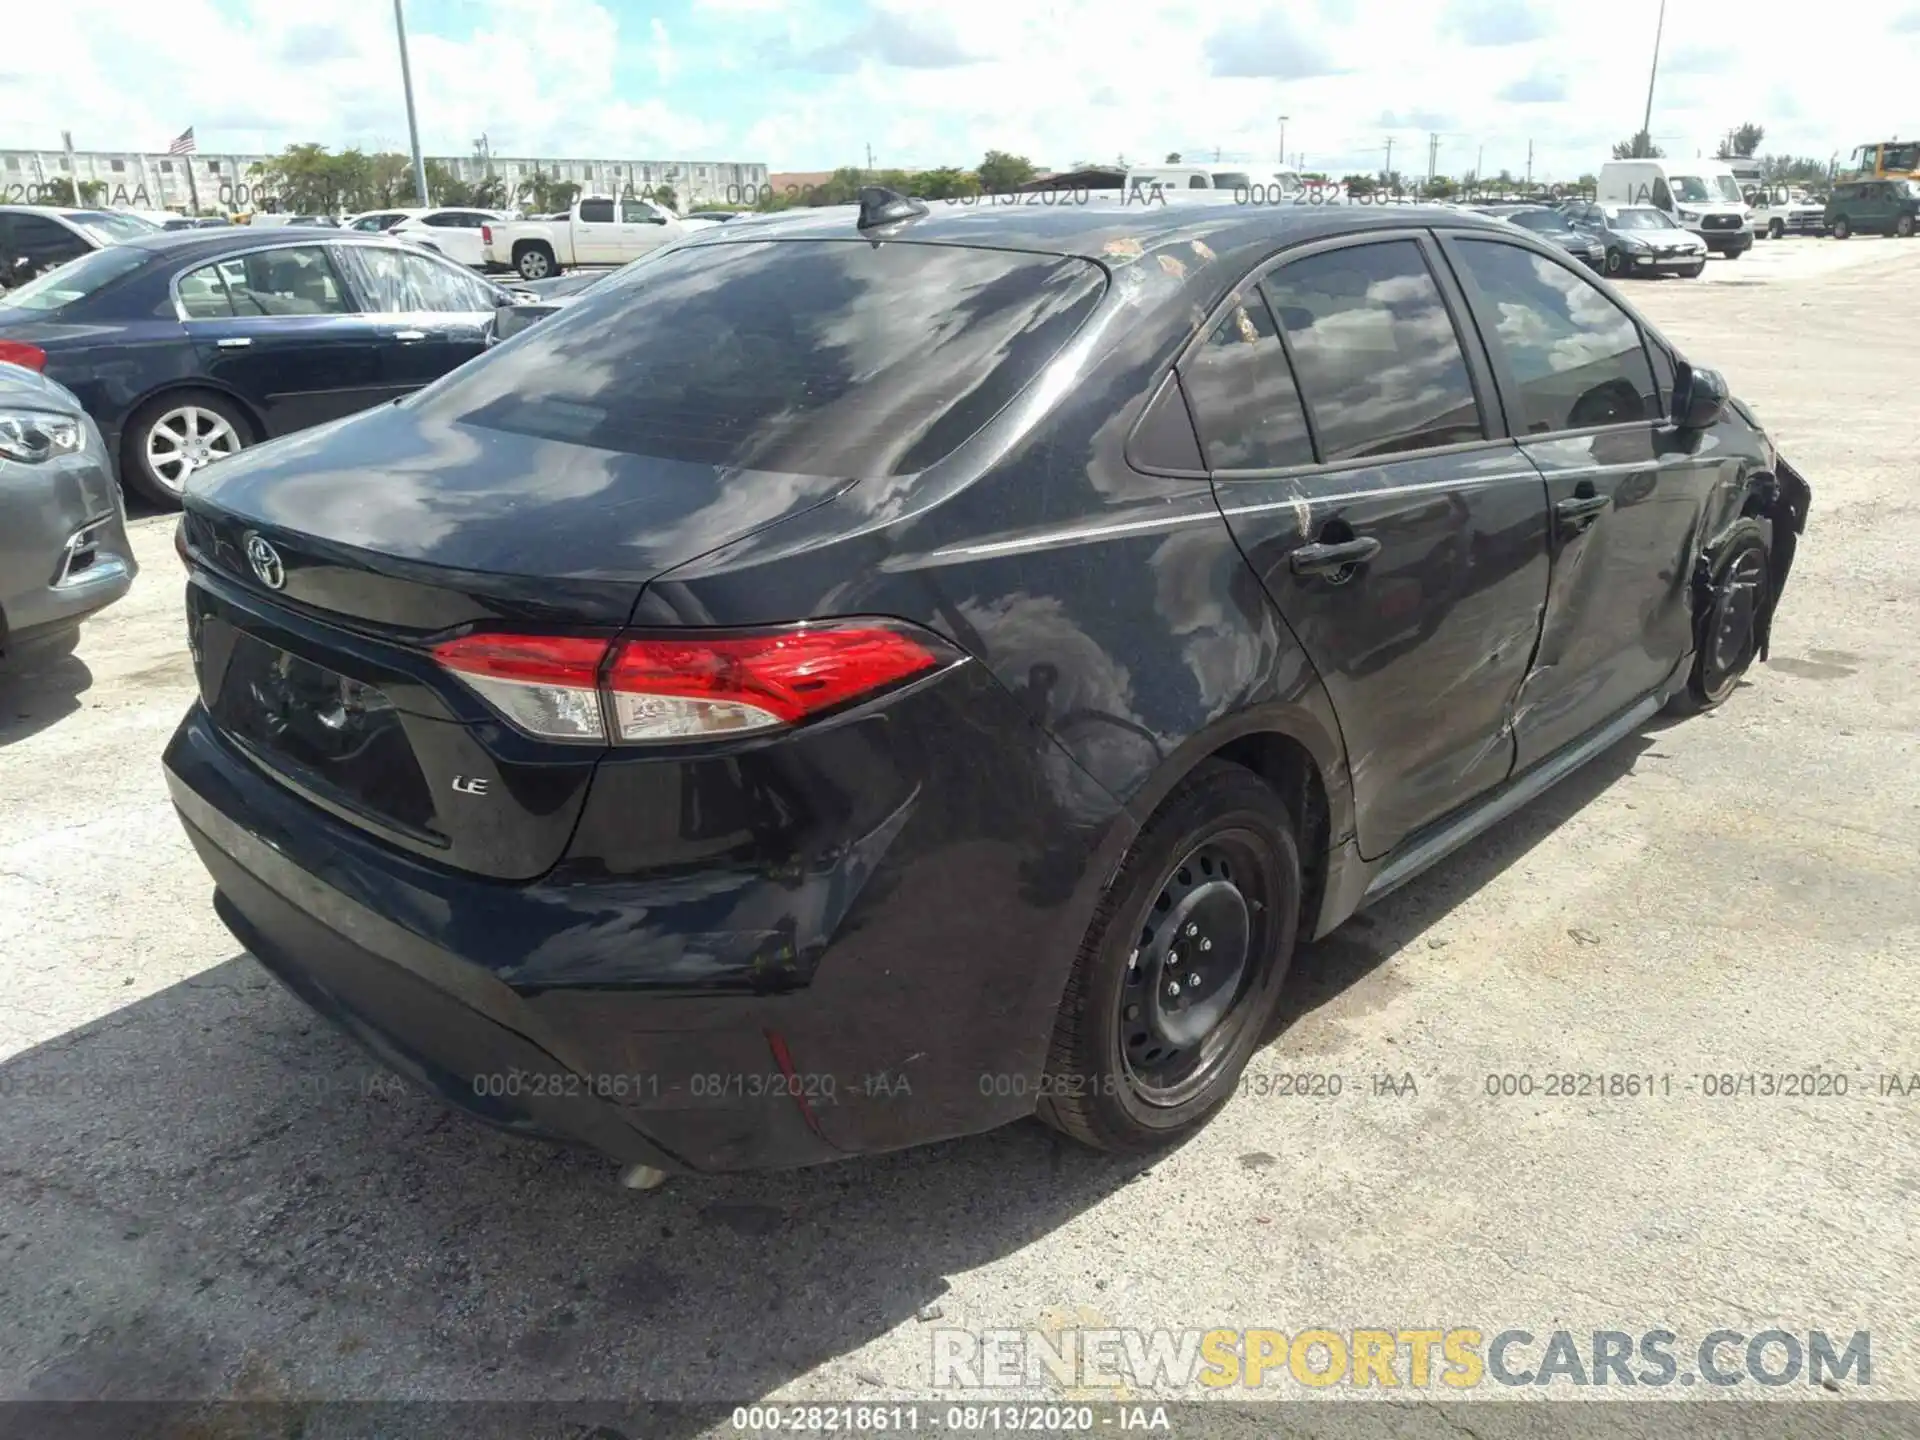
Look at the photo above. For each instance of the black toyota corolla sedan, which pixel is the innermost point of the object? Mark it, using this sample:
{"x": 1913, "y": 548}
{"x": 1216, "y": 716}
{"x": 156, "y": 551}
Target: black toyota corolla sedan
{"x": 892, "y": 670}
{"x": 187, "y": 347}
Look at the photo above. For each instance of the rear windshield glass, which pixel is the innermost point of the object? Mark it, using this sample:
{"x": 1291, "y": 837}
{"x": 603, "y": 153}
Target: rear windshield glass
{"x": 108, "y": 226}
{"x": 1544, "y": 221}
{"x": 805, "y": 356}
{"x": 75, "y": 280}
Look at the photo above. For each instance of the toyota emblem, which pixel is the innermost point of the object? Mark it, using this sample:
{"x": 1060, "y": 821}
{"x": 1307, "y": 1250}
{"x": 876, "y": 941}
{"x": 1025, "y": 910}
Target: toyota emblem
{"x": 265, "y": 561}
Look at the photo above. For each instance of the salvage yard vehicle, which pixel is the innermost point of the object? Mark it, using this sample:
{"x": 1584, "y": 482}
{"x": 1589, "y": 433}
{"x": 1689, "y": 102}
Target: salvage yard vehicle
{"x": 597, "y": 231}
{"x": 186, "y": 347}
{"x": 1639, "y": 240}
{"x": 36, "y": 238}
{"x": 1782, "y": 210}
{"x": 1873, "y": 207}
{"x": 890, "y": 670}
{"x": 64, "y": 554}
{"x": 1701, "y": 195}
{"x": 1552, "y": 226}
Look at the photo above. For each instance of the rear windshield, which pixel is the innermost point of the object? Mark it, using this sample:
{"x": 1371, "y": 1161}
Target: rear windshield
{"x": 1545, "y": 221}
{"x": 75, "y": 280}
{"x": 806, "y": 356}
{"x": 108, "y": 227}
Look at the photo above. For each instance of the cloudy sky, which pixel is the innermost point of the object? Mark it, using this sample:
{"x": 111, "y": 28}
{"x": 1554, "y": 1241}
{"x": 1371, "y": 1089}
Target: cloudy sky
{"x": 810, "y": 84}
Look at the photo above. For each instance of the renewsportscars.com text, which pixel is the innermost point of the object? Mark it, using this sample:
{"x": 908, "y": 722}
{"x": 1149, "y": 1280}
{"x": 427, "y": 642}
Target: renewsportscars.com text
{"x": 1455, "y": 1358}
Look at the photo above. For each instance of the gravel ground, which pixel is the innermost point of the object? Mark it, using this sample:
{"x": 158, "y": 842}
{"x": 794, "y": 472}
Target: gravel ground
{"x": 206, "y": 1193}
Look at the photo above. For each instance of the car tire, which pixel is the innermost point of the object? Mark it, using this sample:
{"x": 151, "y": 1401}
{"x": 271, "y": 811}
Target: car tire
{"x": 1841, "y": 229}
{"x": 166, "y": 425}
{"x": 1731, "y": 598}
{"x": 535, "y": 262}
{"x": 1903, "y": 227}
{"x": 1616, "y": 262}
{"x": 1133, "y": 1065}
{"x": 1776, "y": 230}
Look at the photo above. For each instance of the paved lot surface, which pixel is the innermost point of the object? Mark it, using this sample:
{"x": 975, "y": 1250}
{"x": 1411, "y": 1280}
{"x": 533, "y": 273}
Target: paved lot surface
{"x": 204, "y": 1192}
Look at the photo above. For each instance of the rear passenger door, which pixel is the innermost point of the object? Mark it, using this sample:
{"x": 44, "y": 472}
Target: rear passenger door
{"x": 1625, "y": 493}
{"x": 1358, "y": 454}
{"x": 279, "y": 328}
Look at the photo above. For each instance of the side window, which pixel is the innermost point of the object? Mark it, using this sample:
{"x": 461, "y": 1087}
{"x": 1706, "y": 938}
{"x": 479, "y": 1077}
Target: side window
{"x": 298, "y": 280}
{"x": 1375, "y": 351}
{"x": 445, "y": 220}
{"x": 638, "y": 212}
{"x": 1662, "y": 196}
{"x": 1242, "y": 393}
{"x": 1197, "y": 182}
{"x": 405, "y": 282}
{"x": 1576, "y": 356}
{"x": 44, "y": 241}
{"x": 596, "y": 212}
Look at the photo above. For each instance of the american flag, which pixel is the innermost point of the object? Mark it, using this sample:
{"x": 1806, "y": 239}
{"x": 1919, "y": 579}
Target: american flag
{"x": 183, "y": 143}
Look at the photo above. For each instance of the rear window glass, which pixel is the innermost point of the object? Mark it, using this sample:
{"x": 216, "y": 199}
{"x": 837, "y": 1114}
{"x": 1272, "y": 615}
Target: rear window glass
{"x": 821, "y": 357}
{"x": 75, "y": 280}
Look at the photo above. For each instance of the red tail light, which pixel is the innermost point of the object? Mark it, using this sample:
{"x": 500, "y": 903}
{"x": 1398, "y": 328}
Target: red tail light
{"x": 21, "y": 353}
{"x": 684, "y": 687}
{"x": 486, "y": 234}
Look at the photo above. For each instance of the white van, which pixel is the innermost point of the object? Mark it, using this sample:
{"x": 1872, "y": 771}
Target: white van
{"x": 1702, "y": 195}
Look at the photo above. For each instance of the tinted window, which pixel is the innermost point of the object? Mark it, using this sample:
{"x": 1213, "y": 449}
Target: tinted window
{"x": 407, "y": 282}
{"x": 295, "y": 281}
{"x": 1375, "y": 351}
{"x": 828, "y": 357}
{"x": 638, "y": 212}
{"x": 73, "y": 281}
{"x": 1242, "y": 394}
{"x": 43, "y": 241}
{"x": 1575, "y": 355}
{"x": 1662, "y": 197}
{"x": 597, "y": 212}
{"x": 1544, "y": 221}
{"x": 1197, "y": 182}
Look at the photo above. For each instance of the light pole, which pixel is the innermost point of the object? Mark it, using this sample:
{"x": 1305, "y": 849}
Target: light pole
{"x": 413, "y": 126}
{"x": 1646, "y": 122}
{"x": 1283, "y": 142}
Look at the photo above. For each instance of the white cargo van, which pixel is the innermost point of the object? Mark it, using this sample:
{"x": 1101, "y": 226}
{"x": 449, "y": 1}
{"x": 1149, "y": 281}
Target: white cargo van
{"x": 1702, "y": 195}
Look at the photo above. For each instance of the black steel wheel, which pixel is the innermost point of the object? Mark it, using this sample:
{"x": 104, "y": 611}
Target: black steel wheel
{"x": 1616, "y": 262}
{"x": 1732, "y": 602}
{"x": 1181, "y": 969}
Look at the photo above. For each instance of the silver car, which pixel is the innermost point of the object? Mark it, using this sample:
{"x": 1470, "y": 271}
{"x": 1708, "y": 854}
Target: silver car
{"x": 64, "y": 553}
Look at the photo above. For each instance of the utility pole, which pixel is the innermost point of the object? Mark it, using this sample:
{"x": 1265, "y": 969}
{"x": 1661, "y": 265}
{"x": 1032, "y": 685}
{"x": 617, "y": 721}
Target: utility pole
{"x": 1529, "y": 164}
{"x": 1479, "y": 164}
{"x": 1646, "y": 123}
{"x": 869, "y": 162}
{"x": 413, "y": 125}
{"x": 1433, "y": 155}
{"x": 1387, "y": 174}
{"x": 1283, "y": 142}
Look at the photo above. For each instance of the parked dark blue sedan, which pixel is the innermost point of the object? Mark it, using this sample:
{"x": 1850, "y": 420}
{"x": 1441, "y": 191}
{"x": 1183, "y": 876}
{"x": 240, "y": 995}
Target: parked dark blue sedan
{"x": 188, "y": 346}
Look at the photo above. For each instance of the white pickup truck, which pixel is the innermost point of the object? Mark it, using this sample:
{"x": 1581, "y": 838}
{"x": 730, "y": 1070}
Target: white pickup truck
{"x": 597, "y": 231}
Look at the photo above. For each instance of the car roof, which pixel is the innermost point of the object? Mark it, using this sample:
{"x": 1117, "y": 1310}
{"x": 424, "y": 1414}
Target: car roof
{"x": 64, "y": 212}
{"x": 228, "y": 239}
{"x": 1099, "y": 227}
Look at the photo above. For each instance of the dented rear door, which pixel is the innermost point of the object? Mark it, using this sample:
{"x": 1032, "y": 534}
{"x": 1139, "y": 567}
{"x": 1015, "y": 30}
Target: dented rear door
{"x": 1403, "y": 541}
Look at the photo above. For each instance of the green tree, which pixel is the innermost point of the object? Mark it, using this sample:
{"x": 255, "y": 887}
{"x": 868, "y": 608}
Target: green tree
{"x": 1441, "y": 187}
{"x": 1000, "y": 172}
{"x": 945, "y": 183}
{"x": 1358, "y": 184}
{"x": 446, "y": 188}
{"x": 1588, "y": 183}
{"x": 1173, "y": 157}
{"x": 663, "y": 195}
{"x": 1638, "y": 146}
{"x": 1740, "y": 144}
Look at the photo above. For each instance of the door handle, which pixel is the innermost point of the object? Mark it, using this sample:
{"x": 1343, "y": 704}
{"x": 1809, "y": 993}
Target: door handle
{"x": 234, "y": 342}
{"x": 1329, "y": 559}
{"x": 1579, "y": 507}
{"x": 409, "y": 334}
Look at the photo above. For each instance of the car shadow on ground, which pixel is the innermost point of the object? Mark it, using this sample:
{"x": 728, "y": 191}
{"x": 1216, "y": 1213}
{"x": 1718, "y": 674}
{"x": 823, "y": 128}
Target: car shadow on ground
{"x": 40, "y": 693}
{"x": 210, "y": 1193}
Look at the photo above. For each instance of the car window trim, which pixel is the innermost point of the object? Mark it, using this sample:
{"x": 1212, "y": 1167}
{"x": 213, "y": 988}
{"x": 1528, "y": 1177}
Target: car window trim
{"x": 1504, "y": 377}
{"x": 324, "y": 246}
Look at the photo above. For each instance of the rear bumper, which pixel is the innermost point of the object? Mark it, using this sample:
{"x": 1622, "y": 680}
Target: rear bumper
{"x": 926, "y": 1016}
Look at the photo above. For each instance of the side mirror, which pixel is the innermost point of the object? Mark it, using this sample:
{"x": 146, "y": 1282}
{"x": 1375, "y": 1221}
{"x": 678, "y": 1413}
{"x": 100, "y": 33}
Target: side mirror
{"x": 1699, "y": 398}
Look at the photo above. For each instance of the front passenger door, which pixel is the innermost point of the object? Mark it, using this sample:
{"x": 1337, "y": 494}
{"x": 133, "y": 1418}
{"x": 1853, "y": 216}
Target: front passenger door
{"x": 1625, "y": 494}
{"x": 432, "y": 314}
{"x": 1360, "y": 461}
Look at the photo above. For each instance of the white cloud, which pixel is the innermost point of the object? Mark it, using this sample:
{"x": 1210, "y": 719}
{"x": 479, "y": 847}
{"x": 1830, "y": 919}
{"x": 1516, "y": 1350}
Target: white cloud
{"x": 925, "y": 82}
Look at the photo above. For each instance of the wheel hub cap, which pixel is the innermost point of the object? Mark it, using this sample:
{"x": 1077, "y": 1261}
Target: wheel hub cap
{"x": 1187, "y": 974}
